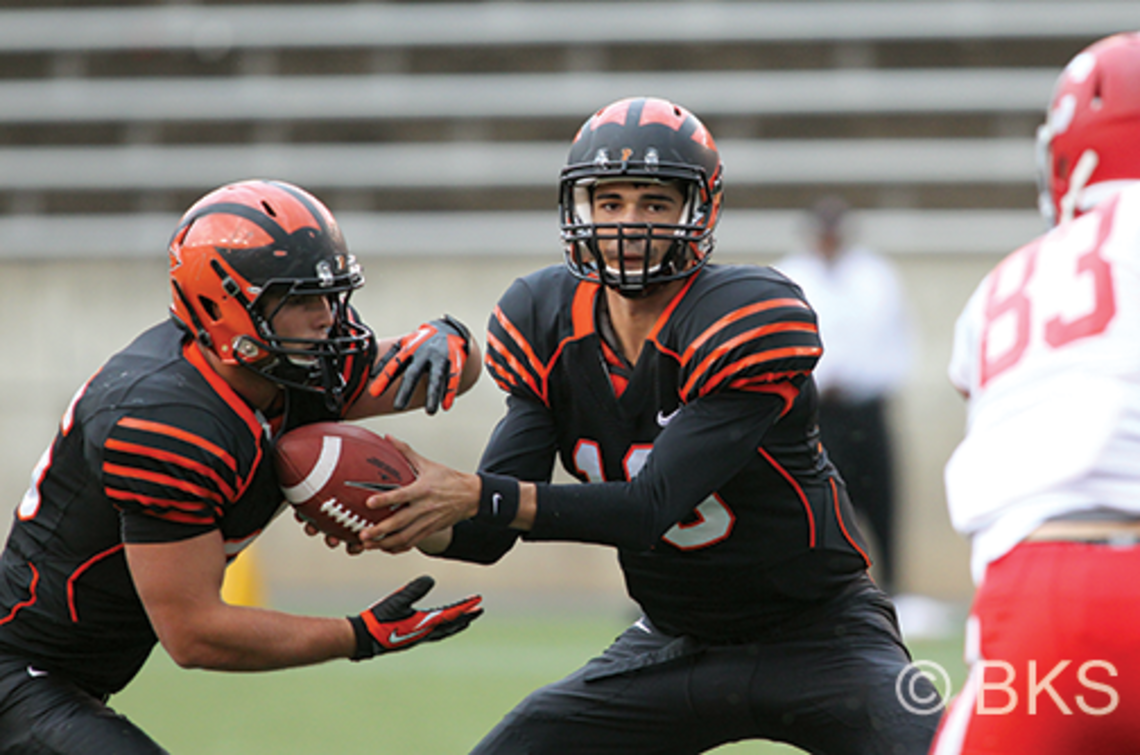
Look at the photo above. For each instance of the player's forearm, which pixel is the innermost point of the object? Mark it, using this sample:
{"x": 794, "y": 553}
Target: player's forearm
{"x": 240, "y": 638}
{"x": 724, "y": 430}
{"x": 528, "y": 507}
{"x": 621, "y": 514}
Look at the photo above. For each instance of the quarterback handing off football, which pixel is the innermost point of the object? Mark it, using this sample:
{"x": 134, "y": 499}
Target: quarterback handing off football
{"x": 327, "y": 471}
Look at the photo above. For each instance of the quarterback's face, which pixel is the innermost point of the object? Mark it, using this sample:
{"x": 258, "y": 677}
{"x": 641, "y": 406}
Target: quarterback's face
{"x": 636, "y": 204}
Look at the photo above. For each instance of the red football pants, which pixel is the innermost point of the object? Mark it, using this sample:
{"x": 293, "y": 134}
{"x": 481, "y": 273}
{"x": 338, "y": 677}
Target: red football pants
{"x": 1056, "y": 629}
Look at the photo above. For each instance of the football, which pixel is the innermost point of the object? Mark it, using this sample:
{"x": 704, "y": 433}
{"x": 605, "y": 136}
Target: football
{"x": 328, "y": 469}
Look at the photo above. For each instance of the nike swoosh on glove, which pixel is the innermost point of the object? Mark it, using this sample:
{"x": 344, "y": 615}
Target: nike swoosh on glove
{"x": 439, "y": 349}
{"x": 393, "y": 624}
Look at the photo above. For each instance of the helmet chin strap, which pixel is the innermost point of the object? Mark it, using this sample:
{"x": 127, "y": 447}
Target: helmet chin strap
{"x": 1078, "y": 180}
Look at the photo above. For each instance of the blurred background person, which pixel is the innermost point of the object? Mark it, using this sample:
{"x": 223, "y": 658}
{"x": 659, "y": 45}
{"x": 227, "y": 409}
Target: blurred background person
{"x": 868, "y": 342}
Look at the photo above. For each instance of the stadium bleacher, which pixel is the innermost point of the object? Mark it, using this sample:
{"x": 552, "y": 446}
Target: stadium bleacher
{"x": 421, "y": 123}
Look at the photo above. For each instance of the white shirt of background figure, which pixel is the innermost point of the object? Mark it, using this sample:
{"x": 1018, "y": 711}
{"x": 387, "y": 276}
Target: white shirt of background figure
{"x": 1047, "y": 351}
{"x": 864, "y": 320}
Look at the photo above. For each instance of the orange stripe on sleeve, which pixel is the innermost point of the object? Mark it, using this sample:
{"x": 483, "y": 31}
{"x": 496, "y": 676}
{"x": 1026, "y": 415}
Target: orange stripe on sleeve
{"x": 712, "y": 382}
{"x": 154, "y": 453}
{"x": 766, "y": 384}
{"x": 180, "y": 434}
{"x": 754, "y": 334}
{"x": 167, "y": 481}
{"x": 698, "y": 374}
{"x": 505, "y": 379}
{"x": 732, "y": 317}
{"x": 193, "y": 354}
{"x": 495, "y": 346}
{"x": 185, "y": 508}
{"x": 520, "y": 340}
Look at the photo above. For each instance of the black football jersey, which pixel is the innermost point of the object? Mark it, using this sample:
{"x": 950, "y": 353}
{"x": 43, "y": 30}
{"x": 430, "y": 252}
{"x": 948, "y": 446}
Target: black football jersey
{"x": 156, "y": 447}
{"x": 705, "y": 471}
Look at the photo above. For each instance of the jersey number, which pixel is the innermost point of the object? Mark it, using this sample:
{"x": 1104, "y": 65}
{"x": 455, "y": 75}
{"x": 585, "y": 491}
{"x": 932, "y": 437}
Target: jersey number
{"x": 30, "y": 504}
{"x": 1016, "y": 308}
{"x": 714, "y": 520}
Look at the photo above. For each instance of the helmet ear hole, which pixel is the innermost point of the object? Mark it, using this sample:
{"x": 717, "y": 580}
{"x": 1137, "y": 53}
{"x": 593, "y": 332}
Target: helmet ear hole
{"x": 210, "y": 308}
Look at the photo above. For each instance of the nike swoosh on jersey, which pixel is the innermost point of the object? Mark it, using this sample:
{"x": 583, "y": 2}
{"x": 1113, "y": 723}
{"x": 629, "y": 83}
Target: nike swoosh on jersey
{"x": 395, "y": 638}
{"x": 664, "y": 419}
{"x": 35, "y": 673}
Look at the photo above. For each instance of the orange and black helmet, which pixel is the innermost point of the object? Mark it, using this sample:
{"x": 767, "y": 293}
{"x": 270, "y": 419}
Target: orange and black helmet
{"x": 646, "y": 139}
{"x": 256, "y": 242}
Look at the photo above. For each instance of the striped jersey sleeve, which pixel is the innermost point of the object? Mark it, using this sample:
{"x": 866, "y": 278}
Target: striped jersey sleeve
{"x": 168, "y": 471}
{"x": 526, "y": 330}
{"x": 758, "y": 344}
{"x": 511, "y": 360}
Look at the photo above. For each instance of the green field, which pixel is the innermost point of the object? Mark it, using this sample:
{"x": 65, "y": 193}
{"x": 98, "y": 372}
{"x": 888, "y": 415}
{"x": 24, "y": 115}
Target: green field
{"x": 434, "y": 699}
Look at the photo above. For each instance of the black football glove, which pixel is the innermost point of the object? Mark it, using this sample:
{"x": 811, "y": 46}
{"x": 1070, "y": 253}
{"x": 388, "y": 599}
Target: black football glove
{"x": 439, "y": 349}
{"x": 392, "y": 624}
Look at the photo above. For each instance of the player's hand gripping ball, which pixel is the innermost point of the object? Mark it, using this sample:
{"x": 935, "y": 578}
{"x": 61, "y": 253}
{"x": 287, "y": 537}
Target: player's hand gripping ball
{"x": 327, "y": 470}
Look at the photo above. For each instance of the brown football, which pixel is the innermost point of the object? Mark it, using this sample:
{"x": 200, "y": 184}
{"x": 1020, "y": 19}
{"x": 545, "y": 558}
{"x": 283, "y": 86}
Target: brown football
{"x": 328, "y": 469}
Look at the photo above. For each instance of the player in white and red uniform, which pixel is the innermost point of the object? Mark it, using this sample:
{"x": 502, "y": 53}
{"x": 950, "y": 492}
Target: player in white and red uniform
{"x": 1046, "y": 483}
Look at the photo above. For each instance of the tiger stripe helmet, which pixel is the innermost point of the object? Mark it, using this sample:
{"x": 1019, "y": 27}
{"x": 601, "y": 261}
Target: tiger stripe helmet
{"x": 253, "y": 242}
{"x": 650, "y": 139}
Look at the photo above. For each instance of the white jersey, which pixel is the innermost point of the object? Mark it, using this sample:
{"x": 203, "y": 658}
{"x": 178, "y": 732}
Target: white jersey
{"x": 1048, "y": 352}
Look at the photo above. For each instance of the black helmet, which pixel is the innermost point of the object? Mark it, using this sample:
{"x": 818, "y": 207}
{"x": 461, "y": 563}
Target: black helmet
{"x": 646, "y": 139}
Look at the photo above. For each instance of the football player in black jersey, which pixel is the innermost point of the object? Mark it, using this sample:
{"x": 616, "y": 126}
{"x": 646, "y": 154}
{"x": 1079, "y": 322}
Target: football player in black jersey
{"x": 680, "y": 394}
{"x": 161, "y": 473}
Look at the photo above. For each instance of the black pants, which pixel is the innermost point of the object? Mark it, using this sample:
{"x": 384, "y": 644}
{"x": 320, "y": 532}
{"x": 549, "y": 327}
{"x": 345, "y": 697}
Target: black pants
{"x": 858, "y": 442}
{"x": 46, "y": 714}
{"x": 827, "y": 686}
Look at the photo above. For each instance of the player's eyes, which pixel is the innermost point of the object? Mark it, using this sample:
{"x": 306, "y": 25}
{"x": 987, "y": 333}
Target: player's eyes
{"x": 309, "y": 302}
